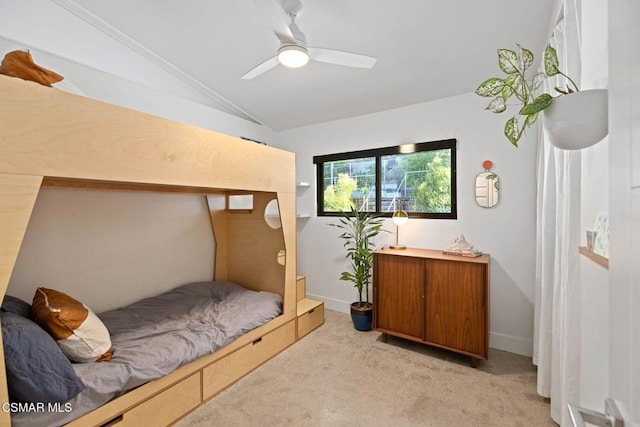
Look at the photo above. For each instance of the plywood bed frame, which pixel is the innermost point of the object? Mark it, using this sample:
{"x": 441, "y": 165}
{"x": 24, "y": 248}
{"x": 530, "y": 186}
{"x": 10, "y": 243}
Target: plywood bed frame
{"x": 51, "y": 138}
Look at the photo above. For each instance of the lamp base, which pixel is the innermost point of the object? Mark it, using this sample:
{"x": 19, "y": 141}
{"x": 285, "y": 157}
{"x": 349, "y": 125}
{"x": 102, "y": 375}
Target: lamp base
{"x": 397, "y": 247}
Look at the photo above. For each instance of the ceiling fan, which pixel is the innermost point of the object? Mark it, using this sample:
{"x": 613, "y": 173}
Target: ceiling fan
{"x": 293, "y": 51}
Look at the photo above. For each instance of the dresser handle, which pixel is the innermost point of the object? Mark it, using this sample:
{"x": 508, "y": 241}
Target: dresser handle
{"x": 258, "y": 341}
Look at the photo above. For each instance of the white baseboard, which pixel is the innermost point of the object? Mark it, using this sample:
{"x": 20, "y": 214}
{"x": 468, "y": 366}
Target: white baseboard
{"x": 518, "y": 345}
{"x": 510, "y": 343}
{"x": 333, "y": 304}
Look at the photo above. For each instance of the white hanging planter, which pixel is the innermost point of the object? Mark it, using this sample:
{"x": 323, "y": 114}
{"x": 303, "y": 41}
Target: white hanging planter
{"x": 577, "y": 120}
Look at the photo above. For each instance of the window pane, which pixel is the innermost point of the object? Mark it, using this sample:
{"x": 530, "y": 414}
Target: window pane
{"x": 419, "y": 177}
{"x": 350, "y": 183}
{"x": 419, "y": 182}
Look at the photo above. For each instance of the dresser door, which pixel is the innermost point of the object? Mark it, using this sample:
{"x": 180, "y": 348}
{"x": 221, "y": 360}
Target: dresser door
{"x": 400, "y": 294}
{"x": 456, "y": 298}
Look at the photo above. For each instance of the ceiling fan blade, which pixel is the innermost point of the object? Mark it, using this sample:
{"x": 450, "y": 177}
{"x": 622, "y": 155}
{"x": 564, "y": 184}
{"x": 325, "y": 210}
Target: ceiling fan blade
{"x": 339, "y": 57}
{"x": 262, "y": 68}
{"x": 276, "y": 17}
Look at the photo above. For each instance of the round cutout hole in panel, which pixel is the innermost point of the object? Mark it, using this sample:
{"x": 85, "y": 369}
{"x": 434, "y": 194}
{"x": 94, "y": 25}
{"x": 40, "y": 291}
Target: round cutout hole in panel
{"x": 272, "y": 214}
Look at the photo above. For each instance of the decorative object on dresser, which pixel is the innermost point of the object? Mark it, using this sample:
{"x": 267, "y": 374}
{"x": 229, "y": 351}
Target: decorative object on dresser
{"x": 358, "y": 230}
{"x": 460, "y": 247}
{"x": 426, "y": 296}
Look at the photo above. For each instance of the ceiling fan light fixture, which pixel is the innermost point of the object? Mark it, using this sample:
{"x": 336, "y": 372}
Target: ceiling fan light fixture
{"x": 293, "y": 56}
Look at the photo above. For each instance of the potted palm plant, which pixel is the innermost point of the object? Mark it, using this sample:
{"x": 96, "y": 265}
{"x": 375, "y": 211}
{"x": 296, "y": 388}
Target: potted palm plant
{"x": 571, "y": 122}
{"x": 358, "y": 231}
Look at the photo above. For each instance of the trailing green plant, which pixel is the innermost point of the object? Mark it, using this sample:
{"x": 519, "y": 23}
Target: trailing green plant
{"x": 358, "y": 231}
{"x": 515, "y": 84}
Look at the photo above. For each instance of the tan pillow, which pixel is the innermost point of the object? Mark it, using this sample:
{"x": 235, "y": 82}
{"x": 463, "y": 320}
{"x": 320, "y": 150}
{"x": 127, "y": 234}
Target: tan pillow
{"x": 78, "y": 331}
{"x": 19, "y": 63}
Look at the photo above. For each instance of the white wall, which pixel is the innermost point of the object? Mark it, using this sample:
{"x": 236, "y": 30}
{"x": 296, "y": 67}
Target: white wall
{"x": 108, "y": 249}
{"x": 624, "y": 198}
{"x": 507, "y": 231}
{"x": 594, "y": 279}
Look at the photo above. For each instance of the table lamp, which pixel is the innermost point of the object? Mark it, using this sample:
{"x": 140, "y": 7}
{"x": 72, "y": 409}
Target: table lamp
{"x": 399, "y": 218}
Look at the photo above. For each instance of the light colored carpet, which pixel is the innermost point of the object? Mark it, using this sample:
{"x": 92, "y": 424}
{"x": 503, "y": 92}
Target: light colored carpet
{"x": 337, "y": 376}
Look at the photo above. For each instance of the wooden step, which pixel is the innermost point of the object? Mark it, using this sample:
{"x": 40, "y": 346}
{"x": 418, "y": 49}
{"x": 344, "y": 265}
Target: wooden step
{"x": 310, "y": 316}
{"x": 301, "y": 288}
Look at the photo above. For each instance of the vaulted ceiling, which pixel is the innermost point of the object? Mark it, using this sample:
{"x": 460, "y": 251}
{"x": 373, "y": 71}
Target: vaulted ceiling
{"x": 425, "y": 50}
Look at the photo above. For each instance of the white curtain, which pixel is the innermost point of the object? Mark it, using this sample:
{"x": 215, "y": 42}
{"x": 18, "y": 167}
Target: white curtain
{"x": 556, "y": 349}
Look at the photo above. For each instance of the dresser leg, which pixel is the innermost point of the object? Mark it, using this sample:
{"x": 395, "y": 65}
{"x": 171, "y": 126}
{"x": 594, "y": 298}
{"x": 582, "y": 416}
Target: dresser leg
{"x": 384, "y": 337}
{"x": 474, "y": 362}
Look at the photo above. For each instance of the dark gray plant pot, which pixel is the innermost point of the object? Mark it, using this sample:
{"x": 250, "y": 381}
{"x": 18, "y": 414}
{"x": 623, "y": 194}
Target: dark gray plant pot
{"x": 361, "y": 316}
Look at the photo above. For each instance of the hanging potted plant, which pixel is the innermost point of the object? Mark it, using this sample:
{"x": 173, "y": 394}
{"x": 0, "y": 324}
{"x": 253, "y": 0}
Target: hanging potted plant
{"x": 571, "y": 122}
{"x": 358, "y": 231}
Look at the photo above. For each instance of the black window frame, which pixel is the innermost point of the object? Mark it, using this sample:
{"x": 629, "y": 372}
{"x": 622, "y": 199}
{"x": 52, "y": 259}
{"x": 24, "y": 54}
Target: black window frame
{"x": 378, "y": 153}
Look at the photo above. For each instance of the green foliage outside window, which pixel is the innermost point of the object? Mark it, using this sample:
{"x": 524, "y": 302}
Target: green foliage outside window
{"x": 337, "y": 198}
{"x": 423, "y": 180}
{"x": 434, "y": 193}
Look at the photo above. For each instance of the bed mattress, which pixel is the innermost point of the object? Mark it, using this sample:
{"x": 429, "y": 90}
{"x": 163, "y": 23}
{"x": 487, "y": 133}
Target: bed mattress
{"x": 154, "y": 336}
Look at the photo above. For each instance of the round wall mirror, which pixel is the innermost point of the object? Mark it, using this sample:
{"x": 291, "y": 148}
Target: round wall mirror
{"x": 272, "y": 214}
{"x": 487, "y": 187}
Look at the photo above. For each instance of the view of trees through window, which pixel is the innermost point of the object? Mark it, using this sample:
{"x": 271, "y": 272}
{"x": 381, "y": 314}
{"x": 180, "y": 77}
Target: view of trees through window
{"x": 420, "y": 181}
{"x": 350, "y": 183}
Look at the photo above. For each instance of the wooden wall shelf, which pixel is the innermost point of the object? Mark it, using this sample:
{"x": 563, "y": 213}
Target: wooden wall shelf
{"x": 598, "y": 259}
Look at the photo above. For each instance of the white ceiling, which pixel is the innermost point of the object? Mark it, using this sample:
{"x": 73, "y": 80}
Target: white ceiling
{"x": 426, "y": 50}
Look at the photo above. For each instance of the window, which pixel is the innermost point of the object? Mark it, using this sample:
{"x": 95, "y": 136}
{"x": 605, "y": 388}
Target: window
{"x": 419, "y": 178}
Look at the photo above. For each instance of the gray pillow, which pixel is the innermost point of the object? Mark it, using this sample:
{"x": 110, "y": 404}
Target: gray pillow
{"x": 16, "y": 305}
{"x": 37, "y": 371}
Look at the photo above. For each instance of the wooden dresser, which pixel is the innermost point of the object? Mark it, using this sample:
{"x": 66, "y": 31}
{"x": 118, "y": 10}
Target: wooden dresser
{"x": 440, "y": 300}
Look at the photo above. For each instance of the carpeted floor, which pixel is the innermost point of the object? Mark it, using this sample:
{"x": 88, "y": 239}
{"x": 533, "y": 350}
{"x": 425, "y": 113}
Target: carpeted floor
{"x": 337, "y": 376}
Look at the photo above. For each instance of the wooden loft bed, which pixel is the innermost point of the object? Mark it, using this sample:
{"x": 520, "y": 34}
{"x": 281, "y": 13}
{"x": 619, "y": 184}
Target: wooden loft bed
{"x": 52, "y": 138}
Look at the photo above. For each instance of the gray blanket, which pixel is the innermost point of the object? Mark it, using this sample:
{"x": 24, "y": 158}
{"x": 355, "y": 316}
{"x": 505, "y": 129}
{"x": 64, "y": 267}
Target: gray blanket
{"x": 155, "y": 336}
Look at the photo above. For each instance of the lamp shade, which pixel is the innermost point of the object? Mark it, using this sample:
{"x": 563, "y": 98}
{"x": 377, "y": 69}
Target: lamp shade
{"x": 293, "y": 56}
{"x": 400, "y": 217}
